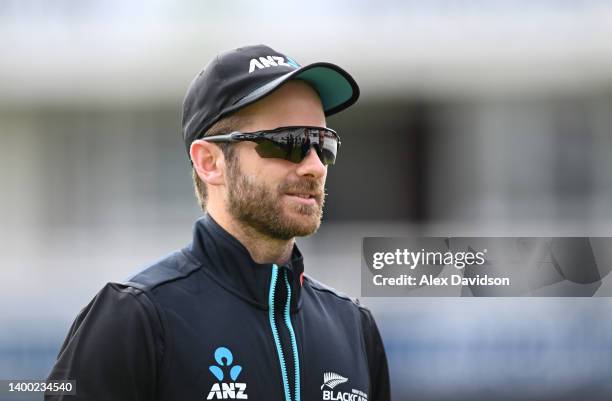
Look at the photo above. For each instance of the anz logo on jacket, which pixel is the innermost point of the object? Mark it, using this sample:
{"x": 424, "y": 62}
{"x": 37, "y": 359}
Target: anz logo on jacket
{"x": 209, "y": 323}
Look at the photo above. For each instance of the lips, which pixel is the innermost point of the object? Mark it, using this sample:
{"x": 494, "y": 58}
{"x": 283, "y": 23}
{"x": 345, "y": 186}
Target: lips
{"x": 309, "y": 191}
{"x": 304, "y": 196}
{"x": 310, "y": 199}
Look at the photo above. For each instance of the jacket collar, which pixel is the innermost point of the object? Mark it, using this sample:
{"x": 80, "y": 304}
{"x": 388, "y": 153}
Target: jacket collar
{"x": 229, "y": 263}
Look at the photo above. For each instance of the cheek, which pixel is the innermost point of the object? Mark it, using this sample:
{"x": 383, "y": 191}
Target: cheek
{"x": 272, "y": 176}
{"x": 266, "y": 174}
{"x": 272, "y": 171}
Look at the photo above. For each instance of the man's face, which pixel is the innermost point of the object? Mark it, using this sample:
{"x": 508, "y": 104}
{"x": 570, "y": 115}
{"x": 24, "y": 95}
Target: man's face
{"x": 276, "y": 197}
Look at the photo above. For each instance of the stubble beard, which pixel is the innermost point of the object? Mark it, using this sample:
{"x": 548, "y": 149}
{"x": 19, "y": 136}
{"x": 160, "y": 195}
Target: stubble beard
{"x": 266, "y": 211}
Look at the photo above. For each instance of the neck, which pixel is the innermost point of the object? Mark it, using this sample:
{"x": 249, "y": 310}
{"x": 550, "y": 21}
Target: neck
{"x": 263, "y": 249}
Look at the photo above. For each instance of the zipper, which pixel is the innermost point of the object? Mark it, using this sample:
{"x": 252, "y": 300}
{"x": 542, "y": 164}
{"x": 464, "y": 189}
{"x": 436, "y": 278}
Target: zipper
{"x": 296, "y": 358}
{"x": 277, "y": 340}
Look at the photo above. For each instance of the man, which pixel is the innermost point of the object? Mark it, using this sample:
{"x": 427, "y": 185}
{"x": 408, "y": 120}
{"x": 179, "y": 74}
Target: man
{"x": 232, "y": 315}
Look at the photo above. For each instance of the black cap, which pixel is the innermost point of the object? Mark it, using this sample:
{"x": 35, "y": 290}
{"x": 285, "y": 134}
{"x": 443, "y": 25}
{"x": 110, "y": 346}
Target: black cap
{"x": 239, "y": 77}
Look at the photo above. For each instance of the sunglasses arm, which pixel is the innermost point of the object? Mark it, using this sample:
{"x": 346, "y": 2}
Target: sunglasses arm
{"x": 231, "y": 137}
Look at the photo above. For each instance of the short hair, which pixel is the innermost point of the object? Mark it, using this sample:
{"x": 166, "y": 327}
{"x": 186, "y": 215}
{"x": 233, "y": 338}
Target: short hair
{"x": 226, "y": 125}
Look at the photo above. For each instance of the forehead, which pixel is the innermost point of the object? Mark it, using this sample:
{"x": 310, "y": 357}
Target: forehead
{"x": 294, "y": 103}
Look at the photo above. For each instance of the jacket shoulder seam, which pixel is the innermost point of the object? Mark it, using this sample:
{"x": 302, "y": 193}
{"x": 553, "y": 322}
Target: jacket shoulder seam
{"x": 320, "y": 287}
{"x": 168, "y": 275}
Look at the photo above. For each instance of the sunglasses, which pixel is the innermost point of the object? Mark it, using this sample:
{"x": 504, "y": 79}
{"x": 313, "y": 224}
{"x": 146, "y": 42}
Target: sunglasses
{"x": 289, "y": 143}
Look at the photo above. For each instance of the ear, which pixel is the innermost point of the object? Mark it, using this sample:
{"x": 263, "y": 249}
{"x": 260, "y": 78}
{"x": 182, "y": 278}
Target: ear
{"x": 208, "y": 162}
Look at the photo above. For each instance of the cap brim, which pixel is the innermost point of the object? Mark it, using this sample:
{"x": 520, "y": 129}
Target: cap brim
{"x": 336, "y": 88}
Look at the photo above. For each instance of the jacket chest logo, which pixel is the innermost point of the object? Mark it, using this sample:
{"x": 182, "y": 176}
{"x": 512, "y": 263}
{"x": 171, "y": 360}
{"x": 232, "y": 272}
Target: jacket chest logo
{"x": 331, "y": 380}
{"x": 224, "y": 390}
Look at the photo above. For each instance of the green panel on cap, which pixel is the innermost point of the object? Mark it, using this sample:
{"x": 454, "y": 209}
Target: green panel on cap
{"x": 333, "y": 87}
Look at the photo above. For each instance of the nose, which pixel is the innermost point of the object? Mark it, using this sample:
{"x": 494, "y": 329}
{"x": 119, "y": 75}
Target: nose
{"x": 311, "y": 165}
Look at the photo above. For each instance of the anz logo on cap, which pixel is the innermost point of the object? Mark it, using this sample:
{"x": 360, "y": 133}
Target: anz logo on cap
{"x": 271, "y": 61}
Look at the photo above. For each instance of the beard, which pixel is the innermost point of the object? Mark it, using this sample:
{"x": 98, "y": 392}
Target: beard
{"x": 264, "y": 209}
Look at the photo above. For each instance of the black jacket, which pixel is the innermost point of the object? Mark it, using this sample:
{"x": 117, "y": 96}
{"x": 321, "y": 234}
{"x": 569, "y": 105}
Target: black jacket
{"x": 207, "y": 322}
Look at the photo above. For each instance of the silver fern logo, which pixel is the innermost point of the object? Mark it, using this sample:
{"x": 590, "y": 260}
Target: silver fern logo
{"x": 331, "y": 380}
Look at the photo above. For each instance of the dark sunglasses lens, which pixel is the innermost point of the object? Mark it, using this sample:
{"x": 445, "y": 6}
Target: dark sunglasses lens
{"x": 329, "y": 148}
{"x": 267, "y": 148}
{"x": 294, "y": 145}
{"x": 327, "y": 157}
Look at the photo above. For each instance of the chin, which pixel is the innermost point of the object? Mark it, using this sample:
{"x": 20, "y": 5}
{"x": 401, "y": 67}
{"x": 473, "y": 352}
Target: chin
{"x": 302, "y": 223}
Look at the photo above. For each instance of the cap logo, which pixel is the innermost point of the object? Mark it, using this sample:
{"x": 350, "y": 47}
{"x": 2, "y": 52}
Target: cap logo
{"x": 271, "y": 61}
